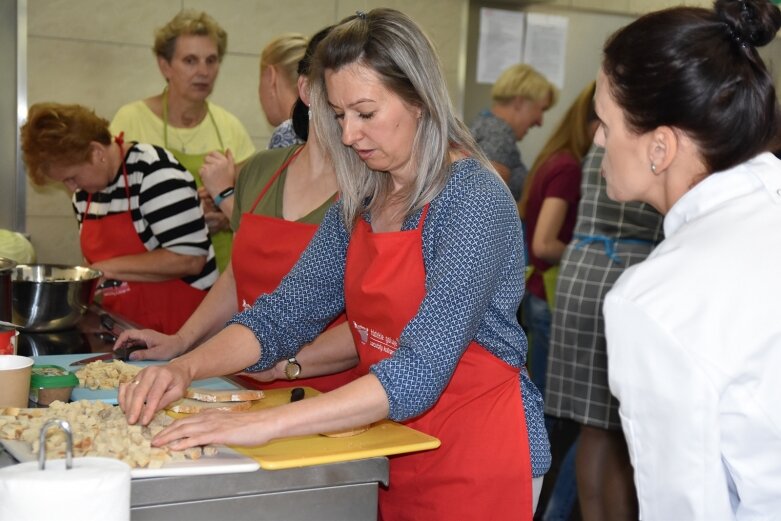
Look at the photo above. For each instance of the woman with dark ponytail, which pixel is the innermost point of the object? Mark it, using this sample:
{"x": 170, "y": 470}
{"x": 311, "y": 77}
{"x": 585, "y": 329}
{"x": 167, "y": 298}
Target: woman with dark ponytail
{"x": 281, "y": 196}
{"x": 689, "y": 118}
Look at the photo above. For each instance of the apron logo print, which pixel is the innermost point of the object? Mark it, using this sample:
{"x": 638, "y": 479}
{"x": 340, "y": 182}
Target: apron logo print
{"x": 362, "y": 332}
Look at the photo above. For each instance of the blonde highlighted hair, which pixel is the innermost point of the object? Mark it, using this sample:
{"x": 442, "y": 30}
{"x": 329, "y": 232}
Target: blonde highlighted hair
{"x": 399, "y": 52}
{"x": 60, "y": 135}
{"x": 191, "y": 23}
{"x": 572, "y": 135}
{"x": 524, "y": 81}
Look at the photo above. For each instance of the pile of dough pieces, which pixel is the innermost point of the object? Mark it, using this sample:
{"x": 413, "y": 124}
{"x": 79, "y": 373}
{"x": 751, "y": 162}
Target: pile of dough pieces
{"x": 99, "y": 429}
{"x": 106, "y": 375}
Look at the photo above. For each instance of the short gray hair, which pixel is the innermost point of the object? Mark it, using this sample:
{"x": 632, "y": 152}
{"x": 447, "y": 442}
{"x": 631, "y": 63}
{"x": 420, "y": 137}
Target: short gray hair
{"x": 400, "y": 53}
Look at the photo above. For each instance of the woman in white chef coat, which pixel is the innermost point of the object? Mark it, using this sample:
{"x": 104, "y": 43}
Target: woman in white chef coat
{"x": 689, "y": 114}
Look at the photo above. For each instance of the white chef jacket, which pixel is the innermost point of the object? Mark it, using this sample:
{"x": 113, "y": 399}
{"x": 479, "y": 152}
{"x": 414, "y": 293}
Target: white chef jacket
{"x": 694, "y": 352}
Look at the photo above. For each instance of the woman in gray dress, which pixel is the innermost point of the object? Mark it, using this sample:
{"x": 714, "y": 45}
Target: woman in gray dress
{"x": 608, "y": 238}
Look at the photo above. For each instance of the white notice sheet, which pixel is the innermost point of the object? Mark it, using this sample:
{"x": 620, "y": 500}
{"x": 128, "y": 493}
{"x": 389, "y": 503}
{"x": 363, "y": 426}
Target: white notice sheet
{"x": 546, "y": 45}
{"x": 501, "y": 42}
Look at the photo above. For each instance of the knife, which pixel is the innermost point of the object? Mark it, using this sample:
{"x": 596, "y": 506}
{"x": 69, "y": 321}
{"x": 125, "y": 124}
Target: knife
{"x": 122, "y": 353}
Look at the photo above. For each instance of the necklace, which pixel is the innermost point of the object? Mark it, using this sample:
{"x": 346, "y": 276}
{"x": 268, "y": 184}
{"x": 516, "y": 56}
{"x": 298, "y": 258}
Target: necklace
{"x": 184, "y": 143}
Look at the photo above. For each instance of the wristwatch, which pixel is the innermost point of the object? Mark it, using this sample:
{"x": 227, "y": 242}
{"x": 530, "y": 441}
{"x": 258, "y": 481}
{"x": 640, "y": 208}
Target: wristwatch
{"x": 292, "y": 369}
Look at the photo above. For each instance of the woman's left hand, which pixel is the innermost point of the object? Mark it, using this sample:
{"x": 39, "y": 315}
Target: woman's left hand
{"x": 216, "y": 221}
{"x": 230, "y": 428}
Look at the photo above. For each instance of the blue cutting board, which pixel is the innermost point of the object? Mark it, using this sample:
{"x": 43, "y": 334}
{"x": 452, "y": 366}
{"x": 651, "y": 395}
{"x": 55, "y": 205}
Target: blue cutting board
{"x": 110, "y": 395}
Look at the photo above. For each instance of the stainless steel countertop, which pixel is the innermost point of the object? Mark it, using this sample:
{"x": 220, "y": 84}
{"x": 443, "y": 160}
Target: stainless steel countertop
{"x": 344, "y": 491}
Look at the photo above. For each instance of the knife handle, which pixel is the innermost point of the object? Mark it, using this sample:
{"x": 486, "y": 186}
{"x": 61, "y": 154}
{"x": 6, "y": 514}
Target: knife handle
{"x": 297, "y": 394}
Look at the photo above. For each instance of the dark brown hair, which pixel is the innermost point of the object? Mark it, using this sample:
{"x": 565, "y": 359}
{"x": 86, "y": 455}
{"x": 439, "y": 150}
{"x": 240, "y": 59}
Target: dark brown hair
{"x": 698, "y": 70}
{"x": 300, "y": 112}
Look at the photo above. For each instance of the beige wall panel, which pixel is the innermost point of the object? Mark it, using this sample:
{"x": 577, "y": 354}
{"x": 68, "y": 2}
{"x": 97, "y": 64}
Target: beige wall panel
{"x": 349, "y": 7}
{"x": 771, "y": 54}
{"x": 100, "y": 76}
{"x": 48, "y": 201}
{"x": 55, "y": 239}
{"x": 615, "y": 6}
{"x": 252, "y": 23}
{"x": 99, "y": 20}
{"x": 454, "y": 82}
{"x": 646, "y": 6}
{"x": 237, "y": 91}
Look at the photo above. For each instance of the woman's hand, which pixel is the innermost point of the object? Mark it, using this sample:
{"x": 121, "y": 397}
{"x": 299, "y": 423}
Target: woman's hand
{"x": 152, "y": 389}
{"x": 358, "y": 403}
{"x": 218, "y": 172}
{"x": 159, "y": 346}
{"x": 215, "y": 219}
{"x": 230, "y": 428}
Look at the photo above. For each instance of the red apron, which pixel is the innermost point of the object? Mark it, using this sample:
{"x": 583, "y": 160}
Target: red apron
{"x": 264, "y": 250}
{"x": 482, "y": 470}
{"x": 162, "y": 306}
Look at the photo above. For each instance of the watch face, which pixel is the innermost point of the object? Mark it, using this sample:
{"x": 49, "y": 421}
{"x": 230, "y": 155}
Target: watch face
{"x": 292, "y": 370}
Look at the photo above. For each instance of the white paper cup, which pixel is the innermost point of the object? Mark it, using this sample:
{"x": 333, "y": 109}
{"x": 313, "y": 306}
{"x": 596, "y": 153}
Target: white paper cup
{"x": 15, "y": 374}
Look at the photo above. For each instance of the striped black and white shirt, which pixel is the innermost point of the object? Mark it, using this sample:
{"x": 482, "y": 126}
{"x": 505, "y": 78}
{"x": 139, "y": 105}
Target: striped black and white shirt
{"x": 164, "y": 206}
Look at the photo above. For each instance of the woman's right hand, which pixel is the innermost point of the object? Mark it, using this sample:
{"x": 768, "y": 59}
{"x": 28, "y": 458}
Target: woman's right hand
{"x": 159, "y": 346}
{"x": 152, "y": 389}
{"x": 218, "y": 171}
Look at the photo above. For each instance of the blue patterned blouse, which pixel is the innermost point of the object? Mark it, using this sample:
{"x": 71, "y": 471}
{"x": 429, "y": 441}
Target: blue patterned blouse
{"x": 472, "y": 250}
{"x": 284, "y": 136}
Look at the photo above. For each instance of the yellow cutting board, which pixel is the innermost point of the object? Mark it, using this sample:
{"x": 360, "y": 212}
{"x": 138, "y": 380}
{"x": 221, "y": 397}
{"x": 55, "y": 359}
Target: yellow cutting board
{"x": 383, "y": 438}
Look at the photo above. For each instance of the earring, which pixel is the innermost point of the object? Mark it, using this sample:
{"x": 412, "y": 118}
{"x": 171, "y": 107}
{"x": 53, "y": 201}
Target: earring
{"x": 309, "y": 113}
{"x": 653, "y": 168}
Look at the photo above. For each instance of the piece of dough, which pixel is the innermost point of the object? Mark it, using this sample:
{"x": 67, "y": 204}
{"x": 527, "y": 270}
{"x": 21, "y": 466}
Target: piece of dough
{"x": 223, "y": 395}
{"x": 346, "y": 433}
{"x": 190, "y": 406}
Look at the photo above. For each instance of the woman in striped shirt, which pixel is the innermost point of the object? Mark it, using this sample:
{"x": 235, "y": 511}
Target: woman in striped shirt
{"x": 139, "y": 216}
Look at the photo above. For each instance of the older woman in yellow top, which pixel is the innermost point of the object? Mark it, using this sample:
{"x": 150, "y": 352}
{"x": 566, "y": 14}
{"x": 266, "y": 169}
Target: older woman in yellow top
{"x": 189, "y": 51}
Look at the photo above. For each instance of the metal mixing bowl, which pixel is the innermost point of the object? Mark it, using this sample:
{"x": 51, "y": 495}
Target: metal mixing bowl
{"x": 50, "y": 297}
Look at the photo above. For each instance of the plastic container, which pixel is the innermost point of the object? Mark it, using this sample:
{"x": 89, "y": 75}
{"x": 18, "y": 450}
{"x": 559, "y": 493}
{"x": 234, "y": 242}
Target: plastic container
{"x": 49, "y": 383}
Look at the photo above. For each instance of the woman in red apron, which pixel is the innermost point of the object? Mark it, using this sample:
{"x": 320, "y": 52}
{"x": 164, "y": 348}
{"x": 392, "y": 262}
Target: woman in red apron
{"x": 121, "y": 196}
{"x": 272, "y": 230}
{"x": 424, "y": 252}
{"x": 479, "y": 418}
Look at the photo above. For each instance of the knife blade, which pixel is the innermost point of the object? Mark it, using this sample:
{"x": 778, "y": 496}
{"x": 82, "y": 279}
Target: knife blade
{"x": 104, "y": 356}
{"x": 122, "y": 353}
